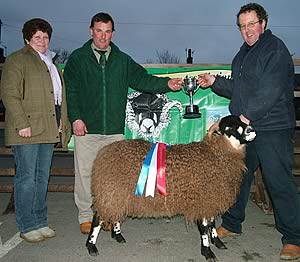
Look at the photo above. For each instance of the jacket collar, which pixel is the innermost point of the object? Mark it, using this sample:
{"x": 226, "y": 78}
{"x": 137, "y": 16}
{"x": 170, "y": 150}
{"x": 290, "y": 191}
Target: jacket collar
{"x": 87, "y": 47}
{"x": 262, "y": 38}
{"x": 28, "y": 49}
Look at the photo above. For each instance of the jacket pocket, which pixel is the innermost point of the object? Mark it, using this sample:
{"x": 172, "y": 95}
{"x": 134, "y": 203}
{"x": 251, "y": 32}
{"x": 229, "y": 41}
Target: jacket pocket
{"x": 36, "y": 123}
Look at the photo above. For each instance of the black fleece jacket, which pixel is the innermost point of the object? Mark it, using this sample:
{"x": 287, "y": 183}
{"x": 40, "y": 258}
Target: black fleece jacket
{"x": 262, "y": 84}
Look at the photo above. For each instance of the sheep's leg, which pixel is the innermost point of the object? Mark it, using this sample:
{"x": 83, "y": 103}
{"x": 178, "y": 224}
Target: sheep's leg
{"x": 204, "y": 234}
{"x": 116, "y": 233}
{"x": 93, "y": 235}
{"x": 214, "y": 235}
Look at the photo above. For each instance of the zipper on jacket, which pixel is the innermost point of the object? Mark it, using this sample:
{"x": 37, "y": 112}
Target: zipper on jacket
{"x": 104, "y": 98}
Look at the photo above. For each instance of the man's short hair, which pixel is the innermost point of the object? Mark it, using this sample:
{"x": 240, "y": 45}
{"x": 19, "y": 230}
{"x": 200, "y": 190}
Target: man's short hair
{"x": 260, "y": 11}
{"x": 33, "y": 25}
{"x": 102, "y": 17}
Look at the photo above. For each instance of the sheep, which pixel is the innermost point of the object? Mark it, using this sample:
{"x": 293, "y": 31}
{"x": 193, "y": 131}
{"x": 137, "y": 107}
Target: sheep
{"x": 192, "y": 172}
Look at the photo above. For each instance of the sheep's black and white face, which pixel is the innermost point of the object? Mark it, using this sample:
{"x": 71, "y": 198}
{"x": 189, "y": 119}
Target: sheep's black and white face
{"x": 146, "y": 110}
{"x": 147, "y": 121}
{"x": 149, "y": 113}
{"x": 236, "y": 130}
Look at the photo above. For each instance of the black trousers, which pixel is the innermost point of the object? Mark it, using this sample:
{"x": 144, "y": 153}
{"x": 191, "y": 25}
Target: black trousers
{"x": 274, "y": 152}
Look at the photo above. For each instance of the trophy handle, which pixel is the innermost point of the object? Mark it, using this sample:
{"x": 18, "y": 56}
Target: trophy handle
{"x": 197, "y": 87}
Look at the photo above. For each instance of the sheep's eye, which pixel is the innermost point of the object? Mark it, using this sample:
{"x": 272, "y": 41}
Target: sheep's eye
{"x": 240, "y": 130}
{"x": 248, "y": 130}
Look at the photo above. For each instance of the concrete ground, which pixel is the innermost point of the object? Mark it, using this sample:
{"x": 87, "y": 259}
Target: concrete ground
{"x": 148, "y": 240}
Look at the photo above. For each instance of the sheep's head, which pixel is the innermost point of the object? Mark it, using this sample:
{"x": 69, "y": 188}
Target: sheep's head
{"x": 234, "y": 129}
{"x": 232, "y": 126}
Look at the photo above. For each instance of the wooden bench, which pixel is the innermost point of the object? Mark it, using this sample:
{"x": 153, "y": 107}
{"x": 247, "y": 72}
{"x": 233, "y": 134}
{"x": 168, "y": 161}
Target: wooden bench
{"x": 56, "y": 171}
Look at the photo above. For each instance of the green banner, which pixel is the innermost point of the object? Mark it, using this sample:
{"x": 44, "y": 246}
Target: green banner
{"x": 212, "y": 107}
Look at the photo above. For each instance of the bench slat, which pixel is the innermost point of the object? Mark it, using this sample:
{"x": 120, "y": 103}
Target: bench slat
{"x": 55, "y": 171}
{"x": 68, "y": 188}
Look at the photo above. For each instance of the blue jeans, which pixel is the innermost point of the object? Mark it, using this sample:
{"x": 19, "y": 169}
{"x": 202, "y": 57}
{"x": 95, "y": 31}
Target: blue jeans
{"x": 274, "y": 152}
{"x": 33, "y": 162}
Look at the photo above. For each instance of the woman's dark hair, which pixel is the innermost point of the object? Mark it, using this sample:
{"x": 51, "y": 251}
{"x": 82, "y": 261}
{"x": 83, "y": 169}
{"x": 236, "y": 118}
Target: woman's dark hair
{"x": 260, "y": 11}
{"x": 102, "y": 17}
{"x": 33, "y": 25}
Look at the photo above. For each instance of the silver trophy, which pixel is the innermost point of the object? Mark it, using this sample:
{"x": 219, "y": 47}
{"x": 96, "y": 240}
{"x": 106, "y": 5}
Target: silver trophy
{"x": 190, "y": 87}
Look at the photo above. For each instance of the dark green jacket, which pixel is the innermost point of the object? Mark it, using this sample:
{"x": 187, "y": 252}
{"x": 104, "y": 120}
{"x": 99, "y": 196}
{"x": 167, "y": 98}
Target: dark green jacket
{"x": 27, "y": 94}
{"x": 98, "y": 95}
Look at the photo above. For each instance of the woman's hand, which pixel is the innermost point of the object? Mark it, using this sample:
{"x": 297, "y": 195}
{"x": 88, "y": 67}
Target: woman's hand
{"x": 25, "y": 132}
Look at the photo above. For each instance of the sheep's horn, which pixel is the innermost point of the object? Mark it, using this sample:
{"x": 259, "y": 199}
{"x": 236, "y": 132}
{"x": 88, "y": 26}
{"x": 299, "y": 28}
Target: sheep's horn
{"x": 213, "y": 128}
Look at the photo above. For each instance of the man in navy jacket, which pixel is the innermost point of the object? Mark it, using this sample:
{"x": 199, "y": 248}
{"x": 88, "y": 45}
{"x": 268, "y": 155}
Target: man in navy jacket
{"x": 261, "y": 90}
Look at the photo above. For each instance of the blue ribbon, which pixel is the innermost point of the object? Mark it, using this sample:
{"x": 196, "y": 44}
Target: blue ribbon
{"x": 139, "y": 190}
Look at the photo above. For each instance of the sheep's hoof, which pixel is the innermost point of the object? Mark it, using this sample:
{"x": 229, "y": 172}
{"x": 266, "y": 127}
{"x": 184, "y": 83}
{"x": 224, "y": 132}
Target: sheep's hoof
{"x": 218, "y": 243}
{"x": 208, "y": 254}
{"x": 118, "y": 237}
{"x": 93, "y": 251}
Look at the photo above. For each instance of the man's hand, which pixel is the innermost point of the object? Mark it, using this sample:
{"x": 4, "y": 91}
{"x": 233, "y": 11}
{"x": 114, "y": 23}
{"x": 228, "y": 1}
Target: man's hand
{"x": 206, "y": 80}
{"x": 25, "y": 132}
{"x": 175, "y": 84}
{"x": 79, "y": 128}
{"x": 244, "y": 119}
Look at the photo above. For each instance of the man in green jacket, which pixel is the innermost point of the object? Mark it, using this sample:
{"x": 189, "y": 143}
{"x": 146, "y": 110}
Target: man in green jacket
{"x": 97, "y": 77}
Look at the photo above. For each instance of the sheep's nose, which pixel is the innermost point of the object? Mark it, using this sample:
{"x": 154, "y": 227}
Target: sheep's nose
{"x": 248, "y": 130}
{"x": 249, "y": 133}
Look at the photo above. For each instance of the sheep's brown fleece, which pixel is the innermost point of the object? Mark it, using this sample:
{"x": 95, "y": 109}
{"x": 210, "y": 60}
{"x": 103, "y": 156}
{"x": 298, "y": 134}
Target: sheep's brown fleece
{"x": 203, "y": 180}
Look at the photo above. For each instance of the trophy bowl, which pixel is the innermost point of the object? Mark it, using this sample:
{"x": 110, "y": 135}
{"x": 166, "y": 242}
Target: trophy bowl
{"x": 190, "y": 87}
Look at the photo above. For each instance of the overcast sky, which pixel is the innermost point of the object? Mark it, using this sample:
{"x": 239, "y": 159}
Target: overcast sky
{"x": 145, "y": 27}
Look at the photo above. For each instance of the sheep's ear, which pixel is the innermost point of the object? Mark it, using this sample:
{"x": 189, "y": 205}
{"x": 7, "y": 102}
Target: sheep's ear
{"x": 213, "y": 128}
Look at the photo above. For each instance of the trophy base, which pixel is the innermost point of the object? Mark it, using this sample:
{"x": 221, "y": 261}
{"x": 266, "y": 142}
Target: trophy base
{"x": 192, "y": 112}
